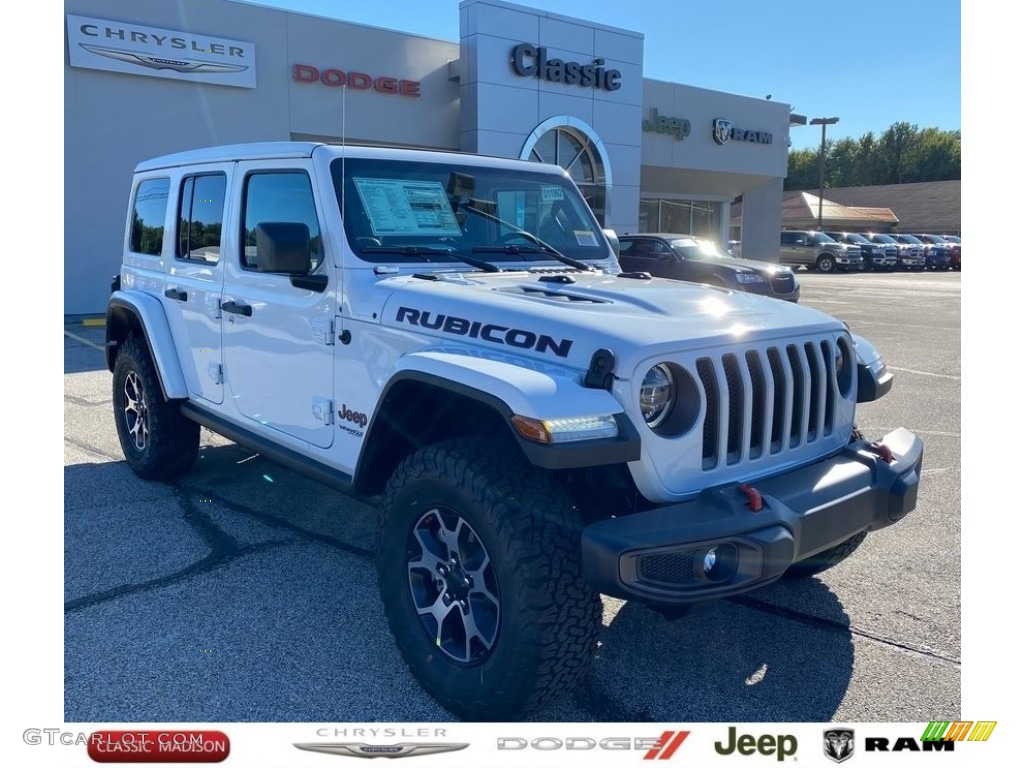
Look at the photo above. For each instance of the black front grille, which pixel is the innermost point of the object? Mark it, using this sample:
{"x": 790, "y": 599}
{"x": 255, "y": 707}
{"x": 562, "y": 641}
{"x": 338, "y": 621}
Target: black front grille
{"x": 783, "y": 283}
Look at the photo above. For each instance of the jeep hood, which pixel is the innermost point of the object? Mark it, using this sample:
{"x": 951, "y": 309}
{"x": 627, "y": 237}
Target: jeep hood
{"x": 564, "y": 317}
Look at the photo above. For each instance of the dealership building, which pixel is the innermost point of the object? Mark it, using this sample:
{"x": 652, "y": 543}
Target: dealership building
{"x": 146, "y": 79}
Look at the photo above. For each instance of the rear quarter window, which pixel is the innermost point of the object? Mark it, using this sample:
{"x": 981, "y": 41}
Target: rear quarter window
{"x": 149, "y": 212}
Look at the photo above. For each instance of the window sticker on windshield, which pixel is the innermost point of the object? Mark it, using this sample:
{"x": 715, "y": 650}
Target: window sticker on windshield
{"x": 400, "y": 207}
{"x": 585, "y": 237}
{"x": 550, "y": 192}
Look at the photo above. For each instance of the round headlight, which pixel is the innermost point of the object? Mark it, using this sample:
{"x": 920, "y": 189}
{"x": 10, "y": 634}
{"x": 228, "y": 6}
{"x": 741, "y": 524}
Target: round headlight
{"x": 657, "y": 394}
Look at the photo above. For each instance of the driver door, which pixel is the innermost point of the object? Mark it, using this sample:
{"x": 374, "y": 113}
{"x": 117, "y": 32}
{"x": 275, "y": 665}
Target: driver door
{"x": 277, "y": 328}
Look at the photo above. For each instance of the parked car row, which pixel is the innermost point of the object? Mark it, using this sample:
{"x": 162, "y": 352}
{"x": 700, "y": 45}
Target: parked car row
{"x": 853, "y": 251}
{"x": 699, "y": 260}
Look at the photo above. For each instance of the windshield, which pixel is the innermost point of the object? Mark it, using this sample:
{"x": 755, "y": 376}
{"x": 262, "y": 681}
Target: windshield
{"x": 820, "y": 237}
{"x": 440, "y": 212}
{"x": 853, "y": 237}
{"x": 909, "y": 239}
{"x": 689, "y": 248}
{"x": 953, "y": 239}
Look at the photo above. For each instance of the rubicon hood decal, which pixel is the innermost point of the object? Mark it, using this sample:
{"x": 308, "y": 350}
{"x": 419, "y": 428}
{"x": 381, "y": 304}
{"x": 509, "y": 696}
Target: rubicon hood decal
{"x": 476, "y": 329}
{"x": 162, "y": 62}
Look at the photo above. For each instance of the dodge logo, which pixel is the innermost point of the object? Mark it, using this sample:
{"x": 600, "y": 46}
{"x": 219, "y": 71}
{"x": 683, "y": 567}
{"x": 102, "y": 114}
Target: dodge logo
{"x": 721, "y": 129}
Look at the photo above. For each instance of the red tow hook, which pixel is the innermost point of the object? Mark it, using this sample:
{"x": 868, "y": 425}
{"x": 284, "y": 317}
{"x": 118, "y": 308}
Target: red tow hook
{"x": 754, "y": 500}
{"x": 882, "y": 451}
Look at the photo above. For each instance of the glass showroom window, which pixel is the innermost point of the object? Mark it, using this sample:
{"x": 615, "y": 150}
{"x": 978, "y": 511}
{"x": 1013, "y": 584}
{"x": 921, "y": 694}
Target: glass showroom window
{"x": 574, "y": 151}
{"x": 702, "y": 218}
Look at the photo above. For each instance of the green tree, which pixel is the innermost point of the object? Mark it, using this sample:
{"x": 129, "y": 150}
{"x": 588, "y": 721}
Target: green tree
{"x": 903, "y": 154}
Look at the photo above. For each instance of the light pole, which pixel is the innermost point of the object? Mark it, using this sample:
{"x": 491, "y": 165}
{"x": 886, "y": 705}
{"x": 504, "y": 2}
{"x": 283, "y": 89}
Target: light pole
{"x": 822, "y": 121}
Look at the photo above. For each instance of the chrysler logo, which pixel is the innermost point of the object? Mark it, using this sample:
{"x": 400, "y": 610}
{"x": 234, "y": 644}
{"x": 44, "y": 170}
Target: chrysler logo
{"x": 358, "y": 749}
{"x": 162, "y": 62}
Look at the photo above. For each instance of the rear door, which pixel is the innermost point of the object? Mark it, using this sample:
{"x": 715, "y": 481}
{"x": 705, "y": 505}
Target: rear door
{"x": 195, "y": 277}
{"x": 796, "y": 249}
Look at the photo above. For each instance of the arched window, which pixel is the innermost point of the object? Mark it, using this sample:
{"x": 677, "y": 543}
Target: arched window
{"x": 573, "y": 145}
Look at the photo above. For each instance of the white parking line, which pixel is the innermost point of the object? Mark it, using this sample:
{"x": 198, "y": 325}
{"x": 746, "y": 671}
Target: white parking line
{"x": 83, "y": 340}
{"x": 924, "y": 373}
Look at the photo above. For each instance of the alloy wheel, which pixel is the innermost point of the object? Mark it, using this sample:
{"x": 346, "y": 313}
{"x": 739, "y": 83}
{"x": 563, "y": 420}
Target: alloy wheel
{"x": 453, "y": 586}
{"x": 136, "y": 414}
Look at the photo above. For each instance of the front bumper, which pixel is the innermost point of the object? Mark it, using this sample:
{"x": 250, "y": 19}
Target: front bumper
{"x": 659, "y": 556}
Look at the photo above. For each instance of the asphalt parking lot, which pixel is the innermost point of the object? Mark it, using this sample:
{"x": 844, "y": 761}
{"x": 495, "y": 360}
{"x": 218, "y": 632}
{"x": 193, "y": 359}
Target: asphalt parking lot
{"x": 244, "y": 592}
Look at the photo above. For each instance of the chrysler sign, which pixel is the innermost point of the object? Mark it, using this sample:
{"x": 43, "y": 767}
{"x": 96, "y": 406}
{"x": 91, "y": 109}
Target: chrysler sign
{"x": 134, "y": 49}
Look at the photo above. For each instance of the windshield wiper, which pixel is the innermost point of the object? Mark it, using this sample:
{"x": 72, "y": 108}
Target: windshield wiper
{"x": 425, "y": 250}
{"x": 541, "y": 246}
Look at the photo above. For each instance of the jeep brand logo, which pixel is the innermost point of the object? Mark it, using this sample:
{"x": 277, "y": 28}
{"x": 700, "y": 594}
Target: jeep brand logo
{"x": 673, "y": 126}
{"x": 530, "y": 61}
{"x": 661, "y": 748}
{"x": 354, "y": 416}
{"x": 781, "y": 746}
{"x": 498, "y": 334}
{"x": 839, "y": 744}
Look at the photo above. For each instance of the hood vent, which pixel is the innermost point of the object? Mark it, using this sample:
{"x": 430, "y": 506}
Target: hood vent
{"x": 547, "y": 293}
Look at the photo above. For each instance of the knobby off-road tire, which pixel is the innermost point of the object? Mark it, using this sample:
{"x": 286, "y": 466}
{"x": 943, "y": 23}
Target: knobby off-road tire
{"x": 824, "y": 560}
{"x": 158, "y": 442}
{"x": 479, "y": 569}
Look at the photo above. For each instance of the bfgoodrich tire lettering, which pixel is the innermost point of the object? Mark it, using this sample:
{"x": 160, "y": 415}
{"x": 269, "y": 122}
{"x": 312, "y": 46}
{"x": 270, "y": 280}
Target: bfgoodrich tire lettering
{"x": 158, "y": 442}
{"x": 515, "y": 585}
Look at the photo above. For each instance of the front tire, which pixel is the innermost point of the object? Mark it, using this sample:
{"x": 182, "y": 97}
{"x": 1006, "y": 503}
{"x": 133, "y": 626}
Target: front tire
{"x": 480, "y": 575}
{"x": 826, "y": 264}
{"x": 822, "y": 561}
{"x": 158, "y": 442}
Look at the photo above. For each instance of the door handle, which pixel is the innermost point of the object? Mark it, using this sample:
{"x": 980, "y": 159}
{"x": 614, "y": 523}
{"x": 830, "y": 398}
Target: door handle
{"x": 177, "y": 294}
{"x": 237, "y": 309}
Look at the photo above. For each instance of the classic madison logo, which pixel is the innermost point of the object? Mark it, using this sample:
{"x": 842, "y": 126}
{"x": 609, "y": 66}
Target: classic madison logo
{"x": 839, "y": 744}
{"x": 721, "y": 129}
{"x": 359, "y": 749}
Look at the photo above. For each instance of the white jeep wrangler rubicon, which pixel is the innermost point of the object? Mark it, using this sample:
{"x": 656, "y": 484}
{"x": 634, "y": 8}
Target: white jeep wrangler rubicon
{"x": 453, "y": 334}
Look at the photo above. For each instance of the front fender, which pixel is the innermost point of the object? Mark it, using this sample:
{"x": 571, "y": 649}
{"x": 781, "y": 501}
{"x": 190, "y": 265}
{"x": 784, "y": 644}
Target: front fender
{"x": 131, "y": 310}
{"x": 527, "y": 388}
{"x": 873, "y": 380}
{"x": 514, "y": 387}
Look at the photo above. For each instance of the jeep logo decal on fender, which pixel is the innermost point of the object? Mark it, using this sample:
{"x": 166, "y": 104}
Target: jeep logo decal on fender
{"x": 357, "y": 418}
{"x": 497, "y": 334}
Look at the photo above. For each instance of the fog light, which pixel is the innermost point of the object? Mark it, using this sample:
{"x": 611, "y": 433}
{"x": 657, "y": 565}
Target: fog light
{"x": 721, "y": 562}
{"x": 709, "y": 561}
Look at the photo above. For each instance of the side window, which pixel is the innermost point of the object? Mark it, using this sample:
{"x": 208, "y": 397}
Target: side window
{"x": 201, "y": 217}
{"x": 645, "y": 249}
{"x": 279, "y": 196}
{"x": 149, "y": 211}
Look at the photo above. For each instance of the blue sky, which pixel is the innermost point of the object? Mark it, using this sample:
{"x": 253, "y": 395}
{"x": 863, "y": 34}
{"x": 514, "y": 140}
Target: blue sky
{"x": 872, "y": 63}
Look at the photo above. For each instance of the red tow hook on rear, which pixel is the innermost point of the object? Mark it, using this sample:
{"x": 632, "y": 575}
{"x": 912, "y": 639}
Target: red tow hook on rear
{"x": 754, "y": 500}
{"x": 882, "y": 451}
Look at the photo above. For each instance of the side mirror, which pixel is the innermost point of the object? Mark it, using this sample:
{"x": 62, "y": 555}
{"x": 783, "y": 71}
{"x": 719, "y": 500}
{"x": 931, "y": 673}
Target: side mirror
{"x": 613, "y": 241}
{"x": 283, "y": 247}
